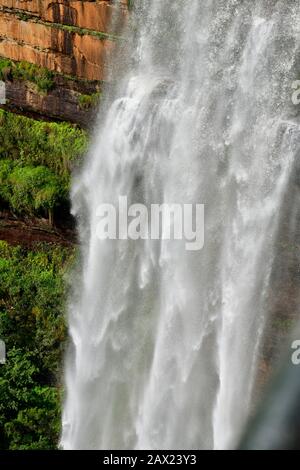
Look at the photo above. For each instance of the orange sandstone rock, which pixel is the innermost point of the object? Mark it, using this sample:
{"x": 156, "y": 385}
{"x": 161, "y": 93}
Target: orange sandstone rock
{"x": 95, "y": 15}
{"x": 61, "y": 51}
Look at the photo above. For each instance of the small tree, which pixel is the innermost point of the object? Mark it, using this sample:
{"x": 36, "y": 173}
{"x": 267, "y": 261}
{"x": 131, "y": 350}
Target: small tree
{"x": 34, "y": 190}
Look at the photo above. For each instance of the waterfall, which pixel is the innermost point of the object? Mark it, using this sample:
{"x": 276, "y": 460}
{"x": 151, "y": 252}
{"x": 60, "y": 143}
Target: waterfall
{"x": 164, "y": 342}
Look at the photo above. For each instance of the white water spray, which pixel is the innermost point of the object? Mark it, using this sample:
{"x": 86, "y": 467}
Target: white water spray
{"x": 164, "y": 342}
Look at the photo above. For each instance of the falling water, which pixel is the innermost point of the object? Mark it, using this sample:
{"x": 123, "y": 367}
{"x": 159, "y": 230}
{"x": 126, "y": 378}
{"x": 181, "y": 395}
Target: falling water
{"x": 165, "y": 341}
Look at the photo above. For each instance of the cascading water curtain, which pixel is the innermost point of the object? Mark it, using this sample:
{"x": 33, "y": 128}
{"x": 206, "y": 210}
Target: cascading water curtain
{"x": 164, "y": 341}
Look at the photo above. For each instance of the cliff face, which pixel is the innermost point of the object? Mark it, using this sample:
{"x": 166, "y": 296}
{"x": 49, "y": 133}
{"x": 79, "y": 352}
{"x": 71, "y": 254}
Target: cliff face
{"x": 67, "y": 37}
{"x": 95, "y": 15}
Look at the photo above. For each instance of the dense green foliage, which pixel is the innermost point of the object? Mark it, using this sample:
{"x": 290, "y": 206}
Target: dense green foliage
{"x": 41, "y": 77}
{"x": 89, "y": 101}
{"x": 35, "y": 162}
{"x": 55, "y": 145}
{"x": 29, "y": 190}
{"x": 33, "y": 328}
{"x": 29, "y": 412}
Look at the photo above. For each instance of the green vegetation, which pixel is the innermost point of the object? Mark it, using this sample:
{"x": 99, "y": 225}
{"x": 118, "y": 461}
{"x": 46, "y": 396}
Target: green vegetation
{"x": 35, "y": 163}
{"x": 89, "y": 101}
{"x": 33, "y": 328}
{"x": 56, "y": 145}
{"x": 41, "y": 77}
{"x": 29, "y": 190}
{"x": 20, "y": 14}
{"x": 59, "y": 146}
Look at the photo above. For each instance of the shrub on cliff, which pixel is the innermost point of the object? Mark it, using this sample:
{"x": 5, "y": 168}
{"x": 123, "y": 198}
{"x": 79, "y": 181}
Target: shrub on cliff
{"x": 40, "y": 76}
{"x": 89, "y": 101}
{"x": 59, "y": 146}
{"x": 35, "y": 190}
{"x": 30, "y": 190}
